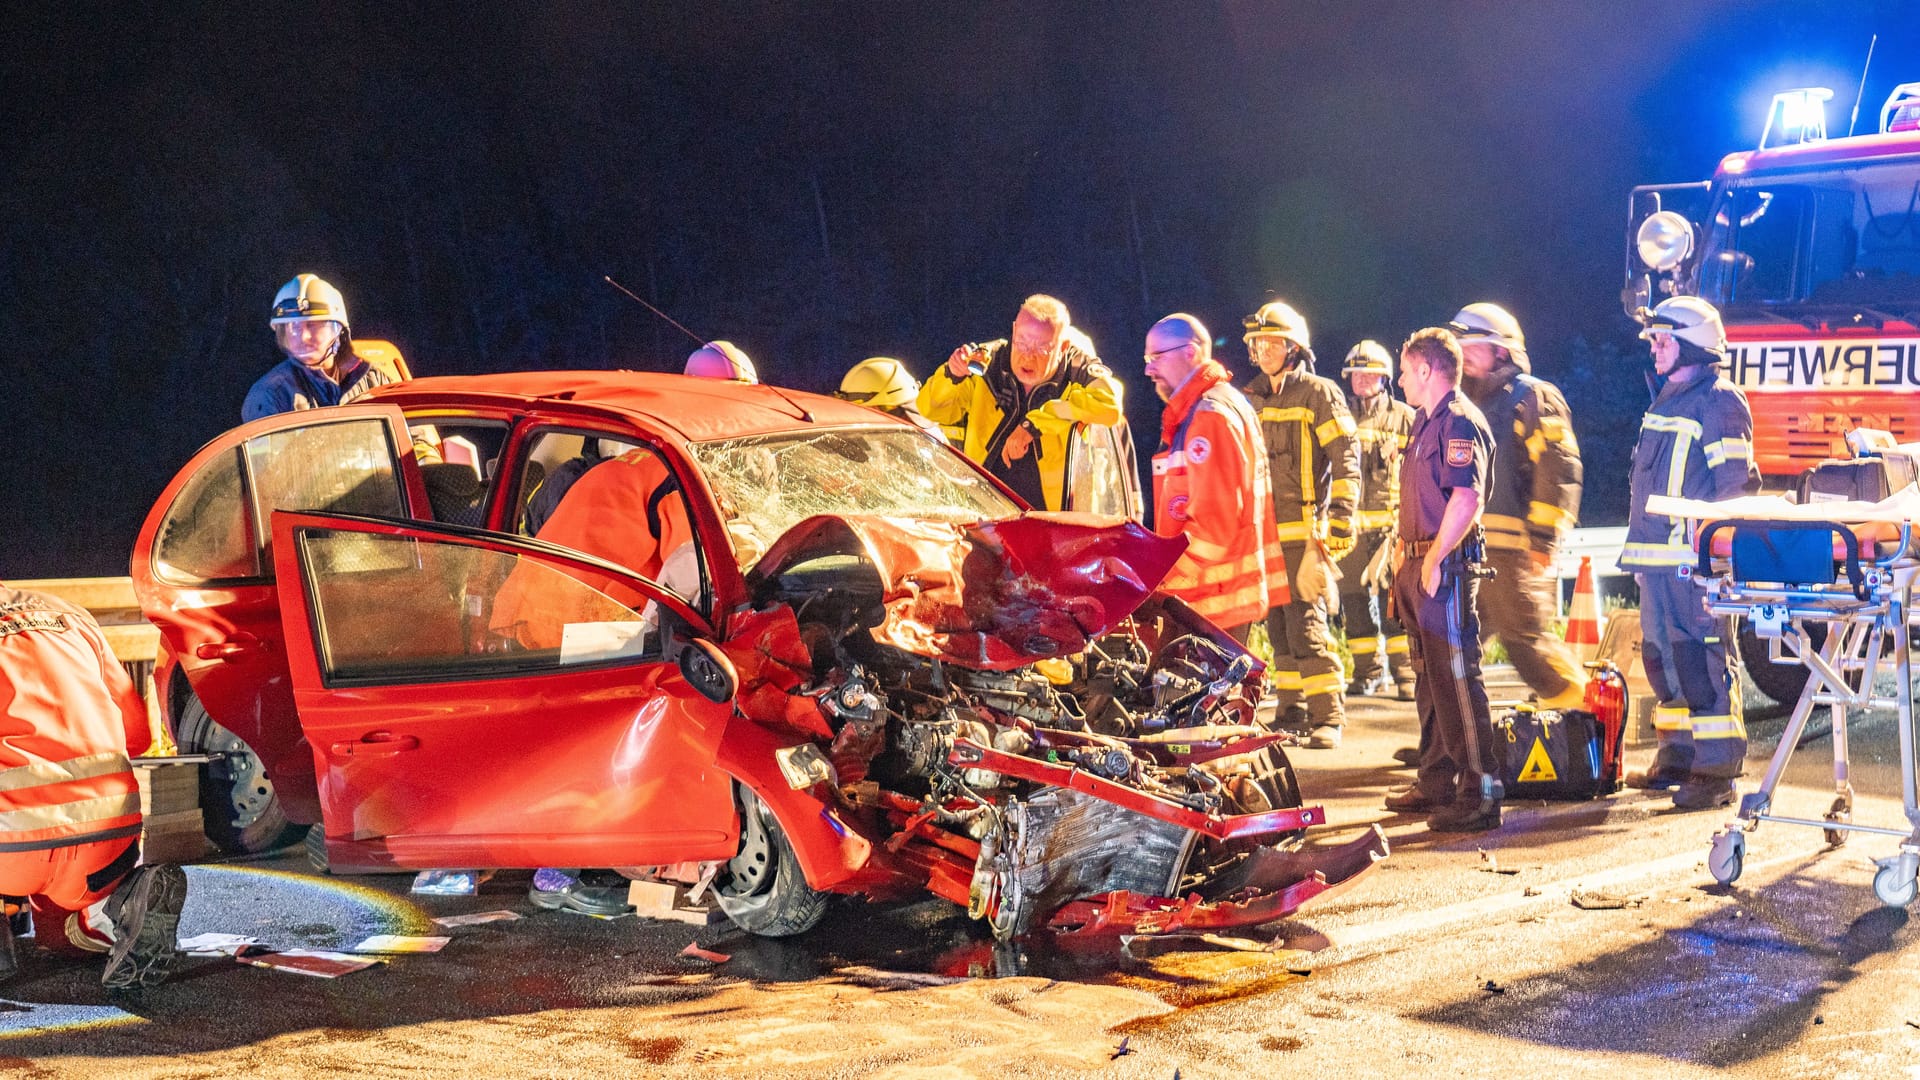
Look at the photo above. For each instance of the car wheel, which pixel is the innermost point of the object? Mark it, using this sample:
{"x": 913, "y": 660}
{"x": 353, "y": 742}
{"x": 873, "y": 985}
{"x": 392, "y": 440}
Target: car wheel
{"x": 762, "y": 888}
{"x": 238, "y": 808}
{"x": 1782, "y": 682}
{"x": 316, "y": 846}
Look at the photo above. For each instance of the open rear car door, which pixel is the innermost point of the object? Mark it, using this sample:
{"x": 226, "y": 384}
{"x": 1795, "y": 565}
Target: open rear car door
{"x": 475, "y": 699}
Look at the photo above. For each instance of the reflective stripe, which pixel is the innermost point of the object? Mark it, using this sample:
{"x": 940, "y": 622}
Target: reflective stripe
{"x": 1718, "y": 727}
{"x": 1333, "y": 429}
{"x": 1205, "y": 549}
{"x": 1396, "y": 644}
{"x": 1295, "y": 530}
{"x": 1670, "y": 718}
{"x": 41, "y": 773}
{"x": 1547, "y": 515}
{"x": 1362, "y": 644}
{"x": 78, "y": 812}
{"x": 1282, "y": 416}
{"x": 1325, "y": 683}
{"x": 1728, "y": 449}
{"x": 1367, "y": 520}
{"x": 1286, "y": 680}
{"x": 1668, "y": 554}
{"x": 1166, "y": 463}
{"x": 1678, "y": 425}
{"x": 1347, "y": 489}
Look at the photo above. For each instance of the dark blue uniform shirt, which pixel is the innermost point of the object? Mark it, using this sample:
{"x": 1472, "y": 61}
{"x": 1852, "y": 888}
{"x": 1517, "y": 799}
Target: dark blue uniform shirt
{"x": 1451, "y": 447}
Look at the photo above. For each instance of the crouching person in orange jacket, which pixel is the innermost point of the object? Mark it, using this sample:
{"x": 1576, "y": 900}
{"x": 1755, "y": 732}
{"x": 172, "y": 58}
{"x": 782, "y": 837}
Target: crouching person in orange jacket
{"x": 69, "y": 805}
{"x": 1210, "y": 483}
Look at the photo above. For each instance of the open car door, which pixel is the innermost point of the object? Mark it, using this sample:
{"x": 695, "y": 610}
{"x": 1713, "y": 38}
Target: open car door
{"x": 475, "y": 699}
{"x": 205, "y": 575}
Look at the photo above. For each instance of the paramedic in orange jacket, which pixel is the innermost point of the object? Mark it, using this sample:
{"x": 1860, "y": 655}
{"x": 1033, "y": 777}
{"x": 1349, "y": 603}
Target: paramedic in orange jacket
{"x": 1210, "y": 482}
{"x": 69, "y": 804}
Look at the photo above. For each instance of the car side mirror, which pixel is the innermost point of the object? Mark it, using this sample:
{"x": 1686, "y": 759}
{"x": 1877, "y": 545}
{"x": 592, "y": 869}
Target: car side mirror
{"x": 708, "y": 671}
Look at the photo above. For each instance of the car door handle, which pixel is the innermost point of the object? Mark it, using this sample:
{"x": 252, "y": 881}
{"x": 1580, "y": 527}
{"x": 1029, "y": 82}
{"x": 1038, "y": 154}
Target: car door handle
{"x": 375, "y": 744}
{"x": 236, "y": 647}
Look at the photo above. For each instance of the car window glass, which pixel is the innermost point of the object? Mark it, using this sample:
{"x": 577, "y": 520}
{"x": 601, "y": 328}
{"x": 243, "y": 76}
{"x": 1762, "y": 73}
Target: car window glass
{"x": 399, "y": 609}
{"x": 459, "y": 463}
{"x": 207, "y": 533}
{"x": 346, "y": 467}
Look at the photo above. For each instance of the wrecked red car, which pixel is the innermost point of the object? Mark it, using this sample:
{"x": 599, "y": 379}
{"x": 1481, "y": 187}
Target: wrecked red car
{"x": 771, "y": 644}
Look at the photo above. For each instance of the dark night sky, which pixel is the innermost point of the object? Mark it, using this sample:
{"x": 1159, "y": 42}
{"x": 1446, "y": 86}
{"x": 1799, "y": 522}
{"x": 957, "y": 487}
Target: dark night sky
{"x": 821, "y": 183}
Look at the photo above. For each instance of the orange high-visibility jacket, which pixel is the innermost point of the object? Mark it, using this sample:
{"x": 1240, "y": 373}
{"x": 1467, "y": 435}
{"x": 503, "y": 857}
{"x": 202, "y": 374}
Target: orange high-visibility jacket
{"x": 69, "y": 717}
{"x": 1210, "y": 483}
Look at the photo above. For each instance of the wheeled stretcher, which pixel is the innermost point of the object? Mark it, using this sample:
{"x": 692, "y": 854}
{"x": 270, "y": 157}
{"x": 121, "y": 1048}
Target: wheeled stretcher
{"x": 1851, "y": 567}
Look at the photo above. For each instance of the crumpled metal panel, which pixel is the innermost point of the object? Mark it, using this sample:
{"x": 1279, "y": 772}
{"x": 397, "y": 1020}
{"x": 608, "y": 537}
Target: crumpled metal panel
{"x": 1072, "y": 845}
{"x": 992, "y": 595}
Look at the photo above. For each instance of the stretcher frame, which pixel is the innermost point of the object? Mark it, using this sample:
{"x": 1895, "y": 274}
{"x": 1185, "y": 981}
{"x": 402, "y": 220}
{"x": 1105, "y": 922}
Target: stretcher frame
{"x": 1867, "y": 609}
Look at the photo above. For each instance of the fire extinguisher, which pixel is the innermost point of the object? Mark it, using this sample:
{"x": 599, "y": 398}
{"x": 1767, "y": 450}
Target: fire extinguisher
{"x": 1606, "y": 699}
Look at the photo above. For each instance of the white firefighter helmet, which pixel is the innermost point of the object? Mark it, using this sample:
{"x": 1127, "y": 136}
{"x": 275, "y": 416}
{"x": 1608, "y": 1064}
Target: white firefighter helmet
{"x": 1369, "y": 357}
{"x": 308, "y": 298}
{"x": 1690, "y": 319}
{"x": 1280, "y": 319}
{"x": 881, "y": 382}
{"x": 1490, "y": 324}
{"x": 721, "y": 360}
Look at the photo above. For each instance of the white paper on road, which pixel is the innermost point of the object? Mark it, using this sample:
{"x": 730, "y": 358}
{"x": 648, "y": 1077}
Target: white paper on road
{"x": 316, "y": 962}
{"x": 476, "y": 918}
{"x": 401, "y": 943}
{"x": 216, "y": 944}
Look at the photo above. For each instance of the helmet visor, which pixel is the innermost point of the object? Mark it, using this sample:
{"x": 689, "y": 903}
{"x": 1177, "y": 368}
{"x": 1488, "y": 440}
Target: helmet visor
{"x": 309, "y": 341}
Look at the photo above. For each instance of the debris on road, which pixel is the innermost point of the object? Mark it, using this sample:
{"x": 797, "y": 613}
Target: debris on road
{"x": 215, "y": 944}
{"x": 693, "y": 951}
{"x": 476, "y": 918}
{"x": 1596, "y": 900}
{"x": 1490, "y": 864}
{"x": 449, "y": 882}
{"x": 1121, "y": 1050}
{"x": 1493, "y": 987}
{"x": 316, "y": 962}
{"x": 401, "y": 943}
{"x": 862, "y": 975}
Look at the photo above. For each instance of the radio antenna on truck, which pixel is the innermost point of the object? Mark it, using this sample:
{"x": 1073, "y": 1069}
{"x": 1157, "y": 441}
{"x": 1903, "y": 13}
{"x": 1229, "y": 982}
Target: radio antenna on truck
{"x": 1858, "y": 94}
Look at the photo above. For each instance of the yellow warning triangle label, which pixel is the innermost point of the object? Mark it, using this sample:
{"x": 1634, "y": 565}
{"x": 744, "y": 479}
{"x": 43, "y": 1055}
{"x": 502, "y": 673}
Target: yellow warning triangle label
{"x": 1539, "y": 766}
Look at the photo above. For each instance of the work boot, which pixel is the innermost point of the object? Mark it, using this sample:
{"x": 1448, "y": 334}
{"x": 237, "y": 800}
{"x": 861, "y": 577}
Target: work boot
{"x": 1477, "y": 816}
{"x": 1655, "y": 779}
{"x": 1324, "y": 737}
{"x": 1409, "y": 800}
{"x": 574, "y": 891}
{"x": 1359, "y": 688}
{"x": 1403, "y": 689}
{"x": 9, "y": 953}
{"x": 1408, "y": 756}
{"x": 1294, "y": 718}
{"x": 145, "y": 913}
{"x": 1703, "y": 793}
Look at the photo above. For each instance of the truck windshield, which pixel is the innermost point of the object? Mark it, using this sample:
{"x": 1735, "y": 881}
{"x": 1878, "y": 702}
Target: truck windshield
{"x": 1838, "y": 237}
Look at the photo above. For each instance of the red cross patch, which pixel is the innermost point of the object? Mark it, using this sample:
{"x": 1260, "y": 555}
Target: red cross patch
{"x": 1197, "y": 449}
{"x": 1177, "y": 507}
{"x": 1459, "y": 452}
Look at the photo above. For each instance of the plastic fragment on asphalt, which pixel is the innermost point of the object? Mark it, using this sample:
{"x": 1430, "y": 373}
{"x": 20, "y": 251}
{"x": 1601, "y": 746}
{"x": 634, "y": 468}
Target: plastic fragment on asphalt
{"x": 1494, "y": 987}
{"x": 316, "y": 962}
{"x": 446, "y": 883}
{"x": 401, "y": 943}
{"x": 215, "y": 944}
{"x": 693, "y": 951}
{"x": 475, "y": 918}
{"x": 1595, "y": 900}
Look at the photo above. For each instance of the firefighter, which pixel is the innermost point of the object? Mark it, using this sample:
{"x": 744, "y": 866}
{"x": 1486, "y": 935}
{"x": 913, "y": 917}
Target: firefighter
{"x": 69, "y": 804}
{"x": 1696, "y": 442}
{"x": 1382, "y": 425}
{"x": 1018, "y": 401}
{"x": 721, "y": 360}
{"x": 321, "y": 368}
{"x": 1439, "y": 550}
{"x": 1534, "y": 501}
{"x": 1210, "y": 482}
{"x": 1314, "y": 466}
{"x": 883, "y": 383}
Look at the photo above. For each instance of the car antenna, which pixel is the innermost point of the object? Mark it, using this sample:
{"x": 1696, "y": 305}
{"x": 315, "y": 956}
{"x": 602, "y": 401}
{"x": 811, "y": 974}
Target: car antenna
{"x": 703, "y": 342}
{"x": 1858, "y": 94}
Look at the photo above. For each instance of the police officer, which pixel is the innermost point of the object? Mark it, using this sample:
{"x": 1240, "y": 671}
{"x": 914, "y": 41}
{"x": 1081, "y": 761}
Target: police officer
{"x": 1314, "y": 465}
{"x": 1443, "y": 486}
{"x": 1535, "y": 499}
{"x": 321, "y": 368}
{"x": 1696, "y": 442}
{"x": 1382, "y": 425}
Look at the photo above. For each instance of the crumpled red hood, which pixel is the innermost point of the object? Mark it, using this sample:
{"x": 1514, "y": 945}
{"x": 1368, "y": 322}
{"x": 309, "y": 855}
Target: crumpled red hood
{"x": 995, "y": 594}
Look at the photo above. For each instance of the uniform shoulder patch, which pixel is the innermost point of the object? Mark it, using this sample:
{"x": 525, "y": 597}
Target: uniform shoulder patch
{"x": 1459, "y": 452}
{"x": 1198, "y": 449}
{"x": 1177, "y": 508}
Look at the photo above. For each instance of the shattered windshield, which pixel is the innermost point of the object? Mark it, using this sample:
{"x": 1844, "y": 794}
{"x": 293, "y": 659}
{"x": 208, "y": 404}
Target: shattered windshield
{"x": 768, "y": 483}
{"x": 1838, "y": 237}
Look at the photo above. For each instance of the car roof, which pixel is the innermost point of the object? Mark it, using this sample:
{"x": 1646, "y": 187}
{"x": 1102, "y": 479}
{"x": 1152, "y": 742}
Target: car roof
{"x": 699, "y": 409}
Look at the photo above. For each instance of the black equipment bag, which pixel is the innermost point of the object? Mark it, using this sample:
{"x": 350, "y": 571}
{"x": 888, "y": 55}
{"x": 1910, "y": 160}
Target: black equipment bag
{"x": 1546, "y": 754}
{"x": 1861, "y": 479}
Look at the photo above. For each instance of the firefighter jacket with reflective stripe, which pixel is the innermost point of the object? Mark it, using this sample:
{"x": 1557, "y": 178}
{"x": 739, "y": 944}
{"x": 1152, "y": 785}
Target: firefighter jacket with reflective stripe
{"x": 1536, "y": 482}
{"x": 1696, "y": 442}
{"x": 1382, "y": 426}
{"x": 1210, "y": 484}
{"x": 69, "y": 718}
{"x": 991, "y": 406}
{"x": 1311, "y": 455}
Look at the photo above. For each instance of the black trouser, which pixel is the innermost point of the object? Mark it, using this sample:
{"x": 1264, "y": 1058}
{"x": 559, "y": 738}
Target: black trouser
{"x": 1305, "y": 668}
{"x": 1371, "y": 631}
{"x": 1458, "y": 761}
{"x": 1517, "y": 605}
{"x": 1684, "y": 647}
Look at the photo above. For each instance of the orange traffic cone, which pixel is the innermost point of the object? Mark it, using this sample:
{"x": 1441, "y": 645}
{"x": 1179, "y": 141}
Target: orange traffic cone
{"x": 1583, "y": 618}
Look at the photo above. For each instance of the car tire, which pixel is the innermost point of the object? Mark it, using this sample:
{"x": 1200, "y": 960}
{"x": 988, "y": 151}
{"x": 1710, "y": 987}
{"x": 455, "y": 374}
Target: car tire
{"x": 762, "y": 888}
{"x": 238, "y": 808}
{"x": 1781, "y": 682}
{"x": 316, "y": 848}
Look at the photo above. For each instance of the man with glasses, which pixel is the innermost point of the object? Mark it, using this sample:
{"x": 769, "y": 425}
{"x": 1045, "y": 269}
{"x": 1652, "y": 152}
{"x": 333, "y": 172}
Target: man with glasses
{"x": 1017, "y": 402}
{"x": 1210, "y": 482}
{"x": 1696, "y": 442}
{"x": 1314, "y": 465}
{"x": 310, "y": 324}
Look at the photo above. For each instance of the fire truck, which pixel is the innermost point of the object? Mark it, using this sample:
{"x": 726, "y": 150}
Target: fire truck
{"x": 1810, "y": 248}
